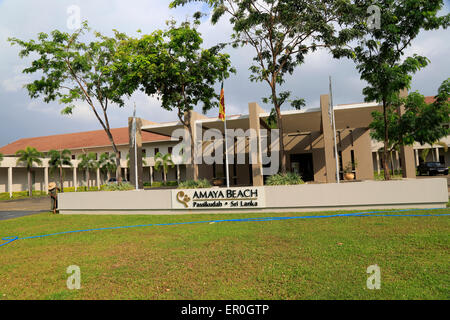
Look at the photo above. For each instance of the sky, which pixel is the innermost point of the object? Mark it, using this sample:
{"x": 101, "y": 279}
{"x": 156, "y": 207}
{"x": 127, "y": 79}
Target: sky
{"x": 22, "y": 117}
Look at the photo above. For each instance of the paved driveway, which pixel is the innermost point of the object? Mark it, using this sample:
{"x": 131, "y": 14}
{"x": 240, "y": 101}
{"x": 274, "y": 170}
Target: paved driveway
{"x": 24, "y": 207}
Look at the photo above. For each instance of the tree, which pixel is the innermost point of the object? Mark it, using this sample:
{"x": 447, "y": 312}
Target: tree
{"x": 282, "y": 33}
{"x": 58, "y": 159}
{"x": 72, "y": 70}
{"x": 28, "y": 157}
{"x": 107, "y": 163}
{"x": 184, "y": 74}
{"x": 1, "y": 157}
{"x": 144, "y": 163}
{"x": 379, "y": 54}
{"x": 164, "y": 162}
{"x": 421, "y": 122}
{"x": 88, "y": 162}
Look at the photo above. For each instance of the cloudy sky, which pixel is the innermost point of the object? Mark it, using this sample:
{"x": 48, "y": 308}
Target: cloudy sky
{"x": 21, "y": 117}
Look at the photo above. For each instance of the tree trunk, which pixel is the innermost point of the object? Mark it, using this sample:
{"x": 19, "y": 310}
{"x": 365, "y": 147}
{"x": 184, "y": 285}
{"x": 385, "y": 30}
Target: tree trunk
{"x": 282, "y": 154}
{"x": 193, "y": 164}
{"x": 88, "y": 174}
{"x": 61, "y": 182}
{"x": 30, "y": 188}
{"x": 387, "y": 175}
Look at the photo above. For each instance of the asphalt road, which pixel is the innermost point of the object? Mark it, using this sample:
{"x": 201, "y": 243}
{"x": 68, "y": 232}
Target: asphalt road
{"x": 24, "y": 207}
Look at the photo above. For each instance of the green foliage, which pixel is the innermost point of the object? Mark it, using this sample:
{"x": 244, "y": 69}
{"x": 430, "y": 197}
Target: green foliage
{"x": 4, "y": 196}
{"x": 107, "y": 162}
{"x": 29, "y": 156}
{"x": 71, "y": 70}
{"x": 144, "y": 163}
{"x": 1, "y": 157}
{"x": 194, "y": 184}
{"x": 158, "y": 184}
{"x": 288, "y": 178}
{"x": 379, "y": 52}
{"x": 117, "y": 187}
{"x": 421, "y": 122}
{"x": 163, "y": 162}
{"x": 281, "y": 33}
{"x": 88, "y": 161}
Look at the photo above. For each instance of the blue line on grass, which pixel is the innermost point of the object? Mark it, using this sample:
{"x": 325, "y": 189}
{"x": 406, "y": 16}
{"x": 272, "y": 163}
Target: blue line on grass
{"x": 356, "y": 214}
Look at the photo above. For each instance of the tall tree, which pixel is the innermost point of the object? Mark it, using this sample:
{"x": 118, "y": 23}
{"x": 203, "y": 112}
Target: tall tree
{"x": 73, "y": 70}
{"x": 28, "y": 157}
{"x": 282, "y": 33}
{"x": 1, "y": 157}
{"x": 88, "y": 162}
{"x": 380, "y": 54}
{"x": 421, "y": 122}
{"x": 182, "y": 74}
{"x": 58, "y": 159}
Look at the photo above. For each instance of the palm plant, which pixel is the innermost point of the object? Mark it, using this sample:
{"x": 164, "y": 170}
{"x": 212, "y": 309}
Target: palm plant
{"x": 29, "y": 157}
{"x": 164, "y": 162}
{"x": 107, "y": 163}
{"x": 144, "y": 163}
{"x": 88, "y": 162}
{"x": 58, "y": 159}
{"x": 1, "y": 157}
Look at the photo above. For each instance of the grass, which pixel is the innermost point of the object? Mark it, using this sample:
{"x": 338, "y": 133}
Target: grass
{"x": 293, "y": 259}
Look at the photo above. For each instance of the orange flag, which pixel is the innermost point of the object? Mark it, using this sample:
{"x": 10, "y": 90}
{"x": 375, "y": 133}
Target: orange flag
{"x": 222, "y": 104}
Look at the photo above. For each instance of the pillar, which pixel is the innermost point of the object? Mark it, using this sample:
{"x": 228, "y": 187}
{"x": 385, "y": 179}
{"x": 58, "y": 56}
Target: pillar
{"x": 10, "y": 180}
{"x": 151, "y": 175}
{"x": 254, "y": 124}
{"x": 178, "y": 173}
{"x": 137, "y": 153}
{"x": 378, "y": 162}
{"x": 417, "y": 157}
{"x": 328, "y": 141}
{"x": 46, "y": 180}
{"x": 437, "y": 154}
{"x": 75, "y": 178}
{"x": 363, "y": 154}
{"x": 98, "y": 178}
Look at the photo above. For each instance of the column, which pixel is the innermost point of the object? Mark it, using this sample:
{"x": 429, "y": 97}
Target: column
{"x": 151, "y": 175}
{"x": 75, "y": 178}
{"x": 437, "y": 154}
{"x": 378, "y": 162}
{"x": 178, "y": 173}
{"x": 125, "y": 173}
{"x": 10, "y": 180}
{"x": 397, "y": 160}
{"x": 363, "y": 154}
{"x": 136, "y": 164}
{"x": 46, "y": 180}
{"x": 98, "y": 178}
{"x": 417, "y": 157}
{"x": 328, "y": 141}
{"x": 254, "y": 124}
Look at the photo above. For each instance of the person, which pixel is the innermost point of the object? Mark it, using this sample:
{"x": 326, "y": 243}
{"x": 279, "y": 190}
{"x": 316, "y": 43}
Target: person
{"x": 53, "y": 190}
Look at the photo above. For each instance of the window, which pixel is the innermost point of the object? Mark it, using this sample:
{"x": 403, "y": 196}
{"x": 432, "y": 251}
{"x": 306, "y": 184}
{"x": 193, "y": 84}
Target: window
{"x": 170, "y": 150}
{"x": 156, "y": 150}
{"x": 73, "y": 157}
{"x": 144, "y": 152}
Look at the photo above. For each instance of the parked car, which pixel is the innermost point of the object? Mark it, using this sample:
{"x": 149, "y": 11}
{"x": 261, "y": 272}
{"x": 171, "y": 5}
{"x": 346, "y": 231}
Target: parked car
{"x": 114, "y": 180}
{"x": 432, "y": 168}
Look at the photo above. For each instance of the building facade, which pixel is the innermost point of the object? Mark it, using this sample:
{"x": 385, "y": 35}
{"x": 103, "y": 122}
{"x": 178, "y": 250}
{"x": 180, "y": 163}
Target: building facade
{"x": 308, "y": 140}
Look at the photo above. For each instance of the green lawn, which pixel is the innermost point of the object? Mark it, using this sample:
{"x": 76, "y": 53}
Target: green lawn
{"x": 292, "y": 259}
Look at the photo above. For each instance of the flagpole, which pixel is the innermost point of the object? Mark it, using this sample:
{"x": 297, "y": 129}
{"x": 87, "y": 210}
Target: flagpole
{"x": 135, "y": 148}
{"x": 334, "y": 134}
{"x": 226, "y": 151}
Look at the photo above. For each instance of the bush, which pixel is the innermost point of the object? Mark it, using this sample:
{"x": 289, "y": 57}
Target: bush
{"x": 157, "y": 184}
{"x": 117, "y": 187}
{"x": 284, "y": 179}
{"x": 194, "y": 184}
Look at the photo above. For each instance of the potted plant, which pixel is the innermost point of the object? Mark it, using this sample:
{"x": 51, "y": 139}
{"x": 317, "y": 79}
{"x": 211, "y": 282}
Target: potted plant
{"x": 348, "y": 171}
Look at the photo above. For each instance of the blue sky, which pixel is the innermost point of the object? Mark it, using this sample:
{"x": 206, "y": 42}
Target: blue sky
{"x": 22, "y": 117}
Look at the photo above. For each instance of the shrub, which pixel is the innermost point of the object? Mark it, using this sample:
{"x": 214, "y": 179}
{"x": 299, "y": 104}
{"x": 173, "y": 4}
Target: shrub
{"x": 194, "y": 184}
{"x": 157, "y": 184}
{"x": 117, "y": 187}
{"x": 284, "y": 179}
